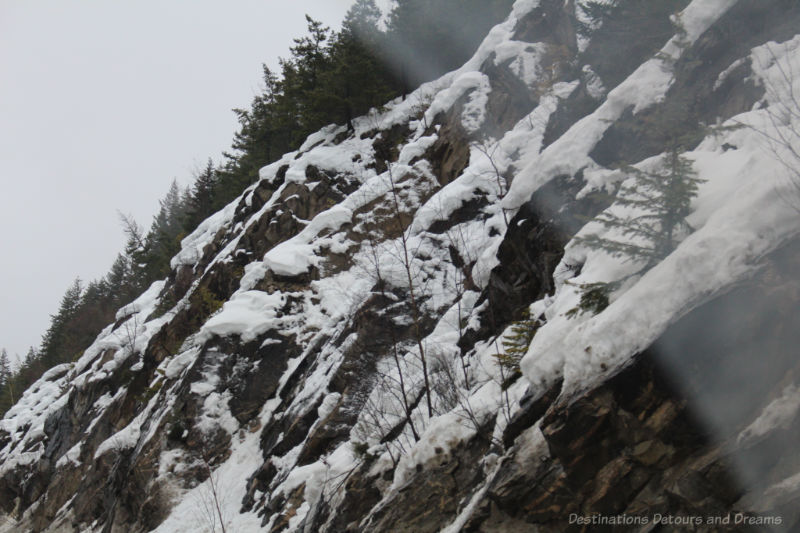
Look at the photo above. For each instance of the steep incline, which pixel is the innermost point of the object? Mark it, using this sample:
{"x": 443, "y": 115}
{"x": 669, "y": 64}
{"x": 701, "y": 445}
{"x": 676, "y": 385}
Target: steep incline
{"x": 325, "y": 354}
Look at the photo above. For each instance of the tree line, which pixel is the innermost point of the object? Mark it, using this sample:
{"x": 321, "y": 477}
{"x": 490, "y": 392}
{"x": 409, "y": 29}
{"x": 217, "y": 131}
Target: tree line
{"x": 328, "y": 77}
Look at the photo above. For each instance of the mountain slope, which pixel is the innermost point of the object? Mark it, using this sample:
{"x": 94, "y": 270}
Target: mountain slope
{"x": 324, "y": 353}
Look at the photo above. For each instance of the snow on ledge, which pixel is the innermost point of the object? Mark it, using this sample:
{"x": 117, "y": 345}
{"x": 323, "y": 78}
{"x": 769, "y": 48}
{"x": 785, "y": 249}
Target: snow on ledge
{"x": 247, "y": 314}
{"x": 646, "y": 86}
{"x": 741, "y": 215}
{"x": 779, "y": 413}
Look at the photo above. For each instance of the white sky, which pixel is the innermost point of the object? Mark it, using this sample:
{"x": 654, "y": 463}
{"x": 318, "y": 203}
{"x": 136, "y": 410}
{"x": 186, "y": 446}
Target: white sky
{"x": 102, "y": 104}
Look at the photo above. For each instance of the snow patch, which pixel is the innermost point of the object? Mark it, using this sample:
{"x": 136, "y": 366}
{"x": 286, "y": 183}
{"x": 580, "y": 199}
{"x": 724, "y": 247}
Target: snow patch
{"x": 247, "y": 314}
{"x": 646, "y": 86}
{"x": 443, "y": 434}
{"x": 467, "y": 81}
{"x": 733, "y": 231}
{"x": 778, "y": 414}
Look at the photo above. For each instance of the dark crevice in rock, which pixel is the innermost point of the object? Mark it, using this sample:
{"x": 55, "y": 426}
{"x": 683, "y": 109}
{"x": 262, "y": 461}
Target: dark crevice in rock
{"x": 386, "y": 145}
{"x": 551, "y": 22}
{"x": 531, "y": 409}
{"x": 532, "y": 247}
{"x": 629, "y": 36}
{"x": 509, "y": 100}
{"x": 569, "y": 111}
{"x": 467, "y": 211}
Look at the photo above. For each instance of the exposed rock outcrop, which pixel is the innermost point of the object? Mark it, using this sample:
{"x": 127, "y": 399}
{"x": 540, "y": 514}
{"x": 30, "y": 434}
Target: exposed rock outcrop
{"x": 335, "y": 350}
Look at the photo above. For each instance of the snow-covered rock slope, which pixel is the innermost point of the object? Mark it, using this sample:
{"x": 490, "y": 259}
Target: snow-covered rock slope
{"x": 383, "y": 333}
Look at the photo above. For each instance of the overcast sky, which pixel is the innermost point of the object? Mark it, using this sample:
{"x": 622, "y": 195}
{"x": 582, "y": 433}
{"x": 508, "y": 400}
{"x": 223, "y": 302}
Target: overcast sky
{"x": 102, "y": 104}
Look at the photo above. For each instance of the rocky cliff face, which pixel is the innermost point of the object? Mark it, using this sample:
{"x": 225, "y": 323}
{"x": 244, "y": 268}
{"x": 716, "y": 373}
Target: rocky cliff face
{"x": 323, "y": 356}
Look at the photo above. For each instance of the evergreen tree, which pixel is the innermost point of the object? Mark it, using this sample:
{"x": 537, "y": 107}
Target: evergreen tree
{"x": 427, "y": 38}
{"x": 655, "y": 209}
{"x": 404, "y": 35}
{"x": 596, "y": 12}
{"x": 333, "y": 78}
{"x": 163, "y": 239}
{"x": 263, "y": 136}
{"x": 31, "y": 368}
{"x": 148, "y": 257}
{"x": 199, "y": 199}
{"x": 60, "y": 342}
{"x": 357, "y": 79}
{"x": 6, "y": 383}
{"x": 136, "y": 253}
{"x": 309, "y": 61}
{"x": 363, "y": 20}
{"x": 121, "y": 286}
{"x": 516, "y": 343}
{"x": 97, "y": 308}
{"x": 5, "y": 368}
{"x": 659, "y": 203}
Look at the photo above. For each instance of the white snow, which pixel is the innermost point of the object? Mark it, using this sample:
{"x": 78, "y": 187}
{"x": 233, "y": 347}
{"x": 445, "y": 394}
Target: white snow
{"x": 194, "y": 244}
{"x": 594, "y": 85}
{"x": 124, "y": 439}
{"x": 474, "y": 112}
{"x": 144, "y": 304}
{"x": 733, "y": 231}
{"x": 727, "y": 72}
{"x": 176, "y": 365}
{"x": 785, "y": 489}
{"x": 646, "y": 86}
{"x": 523, "y": 59}
{"x": 290, "y": 259}
{"x": 580, "y": 15}
{"x": 328, "y": 405}
{"x": 441, "y": 437}
{"x": 215, "y": 412}
{"x": 24, "y": 422}
{"x": 229, "y": 482}
{"x": 247, "y": 314}
{"x": 468, "y": 81}
{"x": 779, "y": 413}
{"x": 295, "y": 256}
